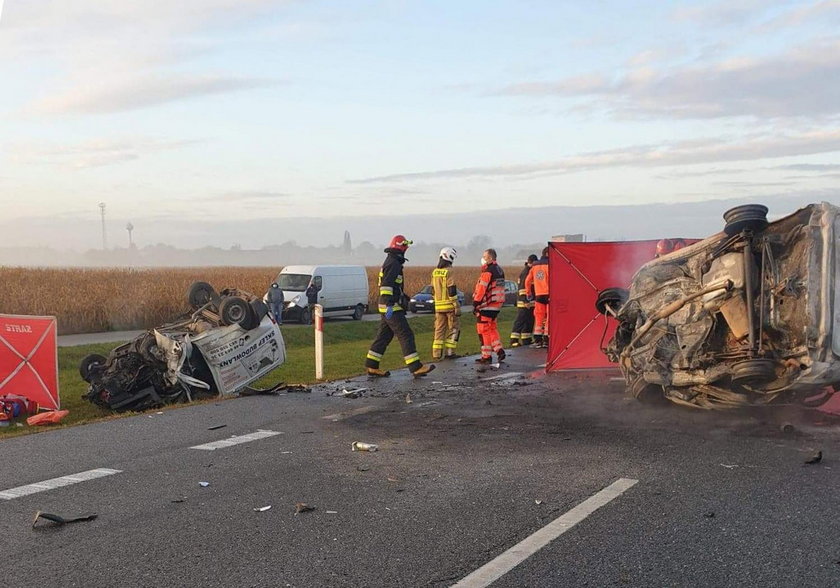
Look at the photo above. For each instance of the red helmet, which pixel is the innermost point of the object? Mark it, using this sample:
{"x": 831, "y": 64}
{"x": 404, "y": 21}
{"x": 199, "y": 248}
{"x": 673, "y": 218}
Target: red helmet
{"x": 664, "y": 247}
{"x": 679, "y": 244}
{"x": 400, "y": 243}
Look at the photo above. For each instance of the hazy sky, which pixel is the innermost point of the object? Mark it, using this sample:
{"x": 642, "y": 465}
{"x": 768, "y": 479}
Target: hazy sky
{"x": 211, "y": 110}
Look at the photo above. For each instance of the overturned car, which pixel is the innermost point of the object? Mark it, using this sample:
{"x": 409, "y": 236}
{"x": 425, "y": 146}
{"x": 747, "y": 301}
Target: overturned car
{"x": 225, "y": 342}
{"x": 742, "y": 318}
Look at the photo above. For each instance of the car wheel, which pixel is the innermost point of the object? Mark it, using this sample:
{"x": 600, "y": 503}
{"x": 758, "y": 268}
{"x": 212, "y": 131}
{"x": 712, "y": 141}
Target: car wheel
{"x": 234, "y": 311}
{"x": 306, "y": 316}
{"x": 200, "y": 293}
{"x": 752, "y": 217}
{"x": 754, "y": 371}
{"x": 358, "y": 312}
{"x": 91, "y": 364}
{"x": 260, "y": 309}
{"x": 613, "y": 298}
{"x": 412, "y": 308}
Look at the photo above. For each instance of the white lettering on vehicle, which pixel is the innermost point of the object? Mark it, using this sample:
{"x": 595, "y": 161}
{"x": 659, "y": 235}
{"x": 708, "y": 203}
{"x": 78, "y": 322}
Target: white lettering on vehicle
{"x": 18, "y": 329}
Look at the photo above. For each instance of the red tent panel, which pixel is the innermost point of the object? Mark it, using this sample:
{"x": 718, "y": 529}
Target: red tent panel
{"x": 577, "y": 272}
{"x": 29, "y": 358}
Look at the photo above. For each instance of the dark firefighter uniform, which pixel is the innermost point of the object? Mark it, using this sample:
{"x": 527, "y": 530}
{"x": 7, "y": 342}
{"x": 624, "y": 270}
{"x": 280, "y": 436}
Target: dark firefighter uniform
{"x": 392, "y": 309}
{"x": 488, "y": 299}
{"x": 523, "y": 325}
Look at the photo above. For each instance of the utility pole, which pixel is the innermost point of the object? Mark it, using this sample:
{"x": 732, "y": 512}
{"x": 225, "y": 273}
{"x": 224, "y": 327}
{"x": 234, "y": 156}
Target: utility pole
{"x": 104, "y": 239}
{"x": 129, "y": 227}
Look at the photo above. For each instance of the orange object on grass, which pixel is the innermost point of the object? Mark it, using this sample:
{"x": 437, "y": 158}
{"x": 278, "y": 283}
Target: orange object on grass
{"x": 47, "y": 418}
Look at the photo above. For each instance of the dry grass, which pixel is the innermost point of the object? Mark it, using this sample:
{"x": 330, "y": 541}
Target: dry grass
{"x": 95, "y": 300}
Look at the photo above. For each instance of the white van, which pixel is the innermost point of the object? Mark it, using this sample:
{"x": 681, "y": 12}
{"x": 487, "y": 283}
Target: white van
{"x": 342, "y": 290}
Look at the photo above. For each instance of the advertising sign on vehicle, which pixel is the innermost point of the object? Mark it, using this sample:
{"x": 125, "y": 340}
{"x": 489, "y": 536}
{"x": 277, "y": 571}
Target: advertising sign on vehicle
{"x": 29, "y": 358}
{"x": 236, "y": 357}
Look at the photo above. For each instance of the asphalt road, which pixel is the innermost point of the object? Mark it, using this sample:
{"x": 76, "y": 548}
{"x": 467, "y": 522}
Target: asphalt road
{"x": 477, "y": 462}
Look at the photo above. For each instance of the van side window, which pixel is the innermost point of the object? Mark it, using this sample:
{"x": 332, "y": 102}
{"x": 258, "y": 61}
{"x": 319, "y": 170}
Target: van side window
{"x": 318, "y": 281}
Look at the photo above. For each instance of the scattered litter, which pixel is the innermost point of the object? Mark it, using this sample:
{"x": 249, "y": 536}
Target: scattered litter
{"x": 275, "y": 390}
{"x": 816, "y": 458}
{"x": 361, "y": 446}
{"x": 331, "y": 512}
{"x": 538, "y": 502}
{"x": 285, "y": 452}
{"x": 306, "y": 432}
{"x": 495, "y": 366}
{"x": 710, "y": 514}
{"x": 204, "y": 484}
{"x": 216, "y": 427}
{"x": 178, "y": 500}
{"x": 729, "y": 466}
{"x": 363, "y": 468}
{"x": 159, "y": 412}
{"x": 427, "y": 403}
{"x": 303, "y": 507}
{"x": 59, "y": 520}
{"x": 408, "y": 398}
{"x": 262, "y": 508}
{"x": 400, "y": 489}
{"x": 390, "y": 479}
{"x": 437, "y": 382}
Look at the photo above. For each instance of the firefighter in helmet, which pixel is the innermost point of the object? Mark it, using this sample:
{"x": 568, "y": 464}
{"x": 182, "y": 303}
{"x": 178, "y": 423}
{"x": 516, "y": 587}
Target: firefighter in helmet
{"x": 536, "y": 284}
{"x": 447, "y": 308}
{"x": 392, "y": 308}
{"x": 523, "y": 326}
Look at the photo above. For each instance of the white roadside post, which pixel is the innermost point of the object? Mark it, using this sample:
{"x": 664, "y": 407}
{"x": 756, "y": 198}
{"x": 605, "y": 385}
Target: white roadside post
{"x": 319, "y": 342}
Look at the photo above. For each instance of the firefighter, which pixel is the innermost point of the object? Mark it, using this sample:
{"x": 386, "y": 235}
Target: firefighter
{"x": 523, "y": 326}
{"x": 488, "y": 298}
{"x": 447, "y": 309}
{"x": 392, "y": 308}
{"x": 537, "y": 286}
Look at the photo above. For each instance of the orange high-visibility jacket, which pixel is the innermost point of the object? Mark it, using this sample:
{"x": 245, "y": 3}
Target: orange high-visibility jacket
{"x": 489, "y": 292}
{"x": 537, "y": 281}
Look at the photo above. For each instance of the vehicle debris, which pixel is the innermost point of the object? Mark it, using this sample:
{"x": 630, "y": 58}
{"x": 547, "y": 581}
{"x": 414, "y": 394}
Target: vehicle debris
{"x": 729, "y": 466}
{"x": 226, "y": 341}
{"x": 204, "y": 484}
{"x": 303, "y": 507}
{"x": 59, "y": 520}
{"x": 408, "y": 399}
{"x": 742, "y": 318}
{"x": 816, "y": 458}
{"x": 216, "y": 427}
{"x": 538, "y": 502}
{"x": 262, "y": 508}
{"x": 354, "y": 393}
{"x": 361, "y": 446}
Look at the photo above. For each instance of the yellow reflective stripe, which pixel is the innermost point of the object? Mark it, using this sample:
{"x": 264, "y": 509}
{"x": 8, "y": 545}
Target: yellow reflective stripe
{"x": 386, "y": 290}
{"x": 412, "y": 358}
{"x": 483, "y": 283}
{"x": 399, "y": 280}
{"x": 374, "y": 356}
{"x": 451, "y": 344}
{"x": 384, "y": 307}
{"x": 437, "y": 345}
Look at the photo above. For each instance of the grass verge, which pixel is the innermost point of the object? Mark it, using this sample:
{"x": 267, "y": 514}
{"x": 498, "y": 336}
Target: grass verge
{"x": 346, "y": 344}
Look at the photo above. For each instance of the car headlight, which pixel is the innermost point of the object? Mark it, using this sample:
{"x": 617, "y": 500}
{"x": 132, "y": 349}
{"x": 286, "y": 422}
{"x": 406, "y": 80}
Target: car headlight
{"x": 412, "y": 300}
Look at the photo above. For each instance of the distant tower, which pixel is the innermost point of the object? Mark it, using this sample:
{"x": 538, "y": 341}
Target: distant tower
{"x": 348, "y": 247}
{"x": 104, "y": 238}
{"x": 129, "y": 227}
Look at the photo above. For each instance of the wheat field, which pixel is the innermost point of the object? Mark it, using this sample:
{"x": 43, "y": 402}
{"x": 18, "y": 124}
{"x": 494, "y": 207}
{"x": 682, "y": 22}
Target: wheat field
{"x": 93, "y": 300}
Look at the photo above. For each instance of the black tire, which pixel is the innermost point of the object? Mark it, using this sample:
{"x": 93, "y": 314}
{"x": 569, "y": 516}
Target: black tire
{"x": 200, "y": 293}
{"x": 752, "y": 217}
{"x": 91, "y": 364}
{"x": 613, "y": 298}
{"x": 305, "y": 316}
{"x": 412, "y": 308}
{"x": 260, "y": 309}
{"x": 235, "y": 311}
{"x": 754, "y": 371}
{"x": 358, "y": 312}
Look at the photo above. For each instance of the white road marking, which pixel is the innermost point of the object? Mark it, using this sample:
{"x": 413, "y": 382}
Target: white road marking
{"x": 237, "y": 440}
{"x": 56, "y": 483}
{"x": 495, "y": 569}
{"x": 511, "y": 375}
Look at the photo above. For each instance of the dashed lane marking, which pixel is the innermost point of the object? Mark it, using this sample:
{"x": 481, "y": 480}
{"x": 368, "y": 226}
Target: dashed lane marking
{"x": 56, "y": 483}
{"x": 495, "y": 569}
{"x": 237, "y": 440}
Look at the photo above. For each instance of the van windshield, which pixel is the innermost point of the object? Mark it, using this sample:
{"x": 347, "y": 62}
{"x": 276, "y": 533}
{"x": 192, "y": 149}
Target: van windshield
{"x": 293, "y": 282}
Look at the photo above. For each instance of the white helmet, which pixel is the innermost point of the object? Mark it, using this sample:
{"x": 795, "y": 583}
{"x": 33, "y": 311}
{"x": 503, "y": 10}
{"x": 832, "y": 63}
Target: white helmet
{"x": 448, "y": 254}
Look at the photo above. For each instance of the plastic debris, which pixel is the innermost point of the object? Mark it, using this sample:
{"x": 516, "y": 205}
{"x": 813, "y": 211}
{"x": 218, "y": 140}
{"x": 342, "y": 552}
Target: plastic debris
{"x": 816, "y": 458}
{"x": 59, "y": 520}
{"x": 408, "y": 398}
{"x": 216, "y": 427}
{"x": 538, "y": 502}
{"x": 204, "y": 484}
{"x": 303, "y": 507}
{"x": 331, "y": 512}
{"x": 262, "y": 508}
{"x": 729, "y": 466}
{"x": 51, "y": 417}
{"x": 361, "y": 446}
{"x": 709, "y": 514}
{"x": 178, "y": 500}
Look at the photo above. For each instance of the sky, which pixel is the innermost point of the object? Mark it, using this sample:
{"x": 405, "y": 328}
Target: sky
{"x": 190, "y": 115}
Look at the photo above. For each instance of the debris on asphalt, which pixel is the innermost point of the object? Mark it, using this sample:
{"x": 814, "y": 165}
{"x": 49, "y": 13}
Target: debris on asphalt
{"x": 354, "y": 393}
{"x": 306, "y": 432}
{"x": 303, "y": 507}
{"x": 787, "y": 428}
{"x": 391, "y": 479}
{"x": 538, "y": 502}
{"x": 408, "y": 398}
{"x": 178, "y": 500}
{"x": 262, "y": 508}
{"x": 52, "y": 417}
{"x": 816, "y": 458}
{"x": 204, "y": 484}
{"x": 331, "y": 512}
{"x": 361, "y": 446}
{"x": 216, "y": 427}
{"x": 729, "y": 466}
{"x": 59, "y": 520}
{"x": 709, "y": 514}
{"x": 363, "y": 468}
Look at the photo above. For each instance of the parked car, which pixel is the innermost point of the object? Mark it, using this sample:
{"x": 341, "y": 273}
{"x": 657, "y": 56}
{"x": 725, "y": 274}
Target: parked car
{"x": 342, "y": 290}
{"x": 745, "y": 317}
{"x": 223, "y": 344}
{"x": 424, "y": 300}
{"x": 511, "y": 292}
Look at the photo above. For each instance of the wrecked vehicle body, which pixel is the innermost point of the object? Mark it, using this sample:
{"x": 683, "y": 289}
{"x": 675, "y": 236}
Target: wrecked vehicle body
{"x": 745, "y": 317}
{"x": 226, "y": 342}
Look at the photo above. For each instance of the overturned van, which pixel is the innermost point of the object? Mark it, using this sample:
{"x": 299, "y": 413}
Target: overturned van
{"x": 227, "y": 341}
{"x": 748, "y": 316}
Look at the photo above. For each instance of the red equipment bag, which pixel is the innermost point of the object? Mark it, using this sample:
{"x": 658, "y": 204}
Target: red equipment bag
{"x": 14, "y": 406}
